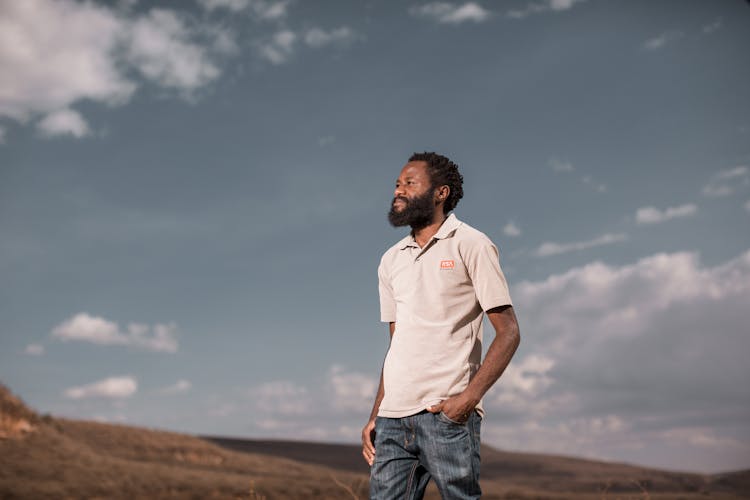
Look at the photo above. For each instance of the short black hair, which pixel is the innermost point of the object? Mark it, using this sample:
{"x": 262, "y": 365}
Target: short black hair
{"x": 443, "y": 172}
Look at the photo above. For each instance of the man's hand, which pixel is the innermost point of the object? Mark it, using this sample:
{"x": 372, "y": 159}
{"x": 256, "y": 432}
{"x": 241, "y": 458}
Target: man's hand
{"x": 368, "y": 449}
{"x": 458, "y": 408}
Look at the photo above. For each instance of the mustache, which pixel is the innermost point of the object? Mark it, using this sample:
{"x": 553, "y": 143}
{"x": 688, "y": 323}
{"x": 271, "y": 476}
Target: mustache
{"x": 401, "y": 198}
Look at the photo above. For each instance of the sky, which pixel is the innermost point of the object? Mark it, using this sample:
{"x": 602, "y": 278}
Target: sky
{"x": 193, "y": 201}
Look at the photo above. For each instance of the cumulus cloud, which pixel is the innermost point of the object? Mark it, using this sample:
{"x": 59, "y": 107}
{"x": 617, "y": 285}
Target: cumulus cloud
{"x": 352, "y": 391}
{"x": 598, "y": 186}
{"x": 726, "y": 181}
{"x": 34, "y": 349}
{"x": 64, "y": 122}
{"x": 528, "y": 376}
{"x": 511, "y": 229}
{"x": 180, "y": 387}
{"x": 42, "y": 40}
{"x": 282, "y": 397}
{"x": 231, "y": 5}
{"x": 540, "y": 7}
{"x": 262, "y": 9}
{"x": 318, "y": 38}
{"x": 56, "y": 53}
{"x": 112, "y": 387}
{"x": 661, "y": 40}
{"x": 86, "y": 328}
{"x": 711, "y": 27}
{"x": 566, "y": 167}
{"x": 652, "y": 215}
{"x": 450, "y": 13}
{"x": 279, "y": 48}
{"x": 161, "y": 50}
{"x": 632, "y": 351}
{"x": 560, "y": 165}
{"x": 550, "y": 248}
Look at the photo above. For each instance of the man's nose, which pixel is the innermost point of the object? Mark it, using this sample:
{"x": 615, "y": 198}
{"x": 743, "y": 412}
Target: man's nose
{"x": 399, "y": 191}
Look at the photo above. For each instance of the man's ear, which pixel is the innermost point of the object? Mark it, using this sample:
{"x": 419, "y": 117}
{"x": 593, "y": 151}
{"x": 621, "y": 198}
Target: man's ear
{"x": 442, "y": 193}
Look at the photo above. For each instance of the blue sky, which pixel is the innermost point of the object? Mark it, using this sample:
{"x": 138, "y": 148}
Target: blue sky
{"x": 193, "y": 200}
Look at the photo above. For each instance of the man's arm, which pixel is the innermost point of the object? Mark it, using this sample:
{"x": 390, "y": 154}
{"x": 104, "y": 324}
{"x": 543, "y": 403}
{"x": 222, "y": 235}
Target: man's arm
{"x": 368, "y": 449}
{"x": 507, "y": 338}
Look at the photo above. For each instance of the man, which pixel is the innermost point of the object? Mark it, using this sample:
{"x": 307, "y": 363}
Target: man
{"x": 435, "y": 286}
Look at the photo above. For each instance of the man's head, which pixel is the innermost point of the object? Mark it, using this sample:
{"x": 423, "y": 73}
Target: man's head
{"x": 428, "y": 182}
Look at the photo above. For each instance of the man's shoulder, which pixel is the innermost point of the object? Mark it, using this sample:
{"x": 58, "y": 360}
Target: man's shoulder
{"x": 394, "y": 249}
{"x": 470, "y": 235}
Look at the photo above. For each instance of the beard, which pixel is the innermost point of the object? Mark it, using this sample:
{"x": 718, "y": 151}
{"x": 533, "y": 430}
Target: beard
{"x": 418, "y": 212}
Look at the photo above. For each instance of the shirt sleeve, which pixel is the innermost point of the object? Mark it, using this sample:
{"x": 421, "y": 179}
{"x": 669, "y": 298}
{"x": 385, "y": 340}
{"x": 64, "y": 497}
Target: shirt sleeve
{"x": 387, "y": 302}
{"x": 482, "y": 261}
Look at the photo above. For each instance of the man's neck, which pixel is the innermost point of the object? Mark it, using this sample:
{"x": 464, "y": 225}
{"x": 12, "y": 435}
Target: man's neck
{"x": 424, "y": 234}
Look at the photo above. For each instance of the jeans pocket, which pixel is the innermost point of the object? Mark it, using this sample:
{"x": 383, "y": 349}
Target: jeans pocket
{"x": 445, "y": 418}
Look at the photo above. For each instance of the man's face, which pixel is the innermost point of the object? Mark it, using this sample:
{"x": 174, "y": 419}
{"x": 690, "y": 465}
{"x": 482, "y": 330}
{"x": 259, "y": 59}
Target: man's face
{"x": 414, "y": 198}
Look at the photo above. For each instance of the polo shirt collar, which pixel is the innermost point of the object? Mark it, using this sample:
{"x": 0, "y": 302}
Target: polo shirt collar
{"x": 446, "y": 228}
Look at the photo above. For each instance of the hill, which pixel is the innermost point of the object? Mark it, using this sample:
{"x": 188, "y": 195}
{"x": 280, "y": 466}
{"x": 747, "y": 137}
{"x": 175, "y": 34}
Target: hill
{"x": 49, "y": 457}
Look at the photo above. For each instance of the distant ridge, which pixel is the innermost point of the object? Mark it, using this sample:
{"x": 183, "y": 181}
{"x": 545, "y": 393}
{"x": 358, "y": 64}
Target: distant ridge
{"x": 547, "y": 476}
{"x": 50, "y": 457}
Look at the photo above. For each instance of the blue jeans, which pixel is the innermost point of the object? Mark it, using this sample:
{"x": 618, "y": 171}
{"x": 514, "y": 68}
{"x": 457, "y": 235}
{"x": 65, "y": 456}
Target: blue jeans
{"x": 411, "y": 450}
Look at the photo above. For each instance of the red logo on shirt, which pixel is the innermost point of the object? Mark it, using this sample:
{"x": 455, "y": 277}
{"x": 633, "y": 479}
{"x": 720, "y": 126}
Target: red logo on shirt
{"x": 447, "y": 264}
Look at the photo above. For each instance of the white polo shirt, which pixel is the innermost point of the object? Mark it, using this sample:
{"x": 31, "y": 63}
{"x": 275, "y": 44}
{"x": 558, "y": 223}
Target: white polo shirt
{"x": 437, "y": 296}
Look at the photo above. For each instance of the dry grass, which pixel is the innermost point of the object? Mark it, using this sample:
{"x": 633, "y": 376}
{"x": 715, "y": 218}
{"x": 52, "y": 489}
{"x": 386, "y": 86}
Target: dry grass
{"x": 62, "y": 458}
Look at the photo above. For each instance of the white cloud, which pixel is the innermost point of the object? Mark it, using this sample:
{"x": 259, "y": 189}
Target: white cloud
{"x": 352, "y": 391}
{"x": 598, "y": 186}
{"x": 162, "y": 50}
{"x": 55, "y": 53}
{"x": 528, "y": 376}
{"x": 270, "y": 10}
{"x": 450, "y": 13}
{"x": 711, "y": 27}
{"x": 232, "y": 5}
{"x": 716, "y": 190}
{"x": 282, "y": 397}
{"x": 112, "y": 387}
{"x": 511, "y": 229}
{"x": 652, "y": 215}
{"x": 733, "y": 173}
{"x": 550, "y": 248}
{"x": 540, "y": 7}
{"x": 261, "y": 8}
{"x": 564, "y": 166}
{"x": 86, "y": 328}
{"x": 34, "y": 349}
{"x": 625, "y": 348}
{"x": 279, "y": 49}
{"x": 726, "y": 181}
{"x": 64, "y": 122}
{"x": 700, "y": 437}
{"x": 560, "y": 166}
{"x": 180, "y": 387}
{"x": 318, "y": 38}
{"x": 661, "y": 40}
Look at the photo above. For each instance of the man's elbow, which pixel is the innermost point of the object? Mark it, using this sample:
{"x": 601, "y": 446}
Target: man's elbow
{"x": 514, "y": 335}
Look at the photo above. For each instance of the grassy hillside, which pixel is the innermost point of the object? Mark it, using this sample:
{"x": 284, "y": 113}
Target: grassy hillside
{"x": 46, "y": 457}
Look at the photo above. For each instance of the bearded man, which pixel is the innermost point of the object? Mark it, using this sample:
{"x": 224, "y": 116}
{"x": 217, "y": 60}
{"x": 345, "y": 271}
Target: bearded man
{"x": 435, "y": 287}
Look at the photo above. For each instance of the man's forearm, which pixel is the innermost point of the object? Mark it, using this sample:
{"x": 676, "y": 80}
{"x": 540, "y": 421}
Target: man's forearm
{"x": 507, "y": 339}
